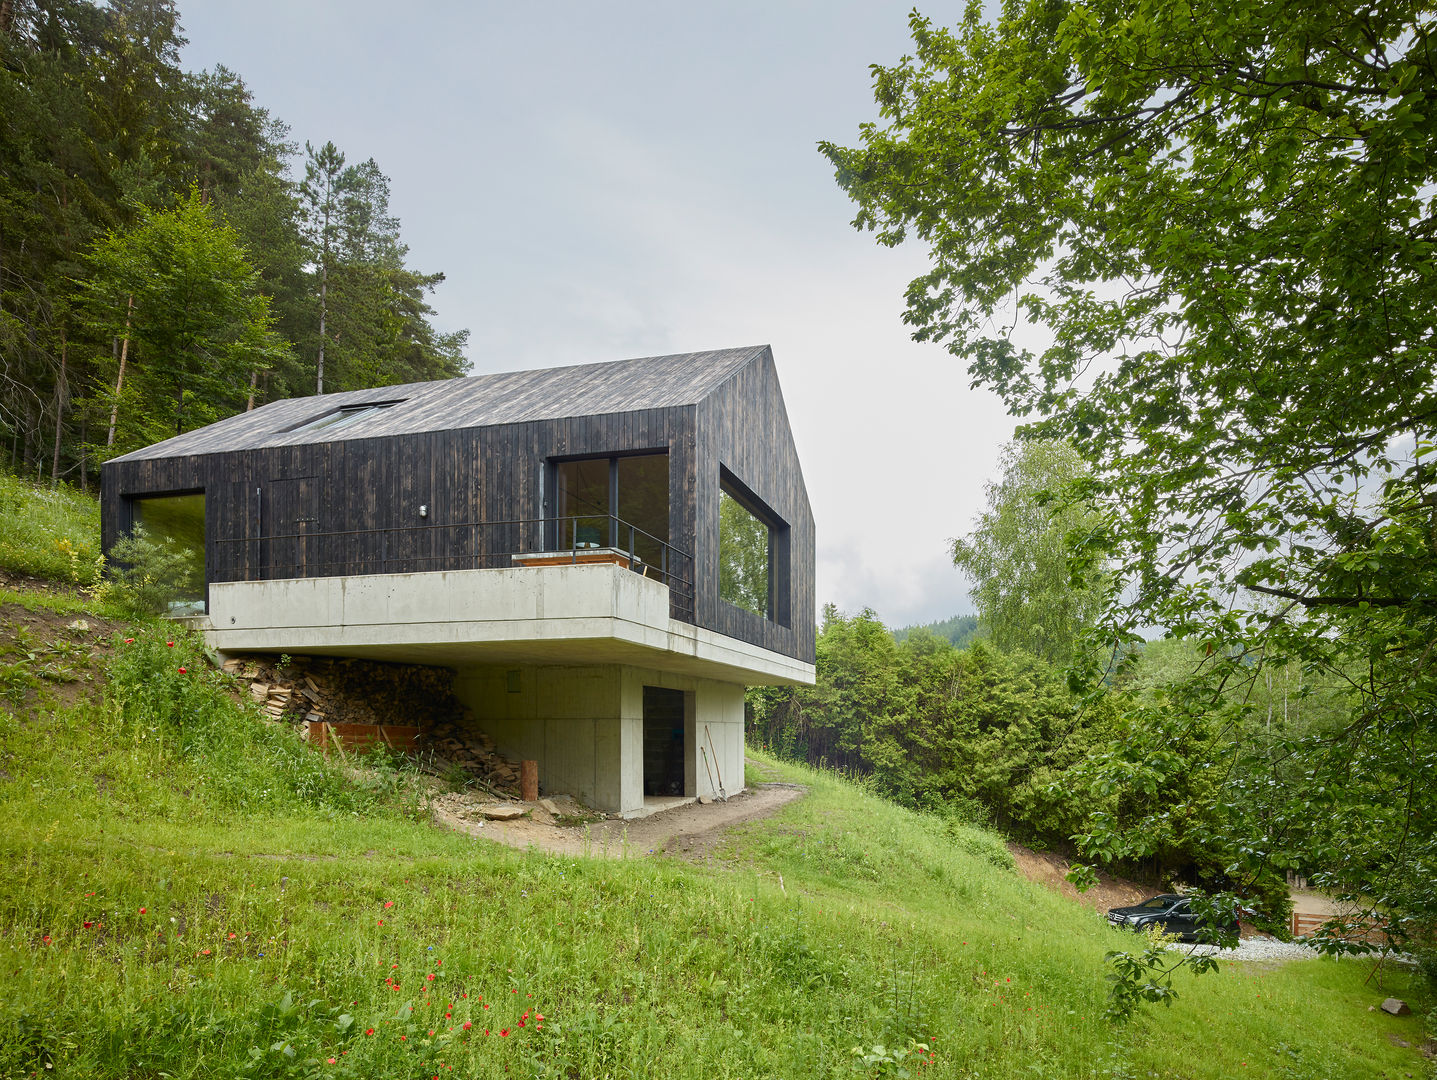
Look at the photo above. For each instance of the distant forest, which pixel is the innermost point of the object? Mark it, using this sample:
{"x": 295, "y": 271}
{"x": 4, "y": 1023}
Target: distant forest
{"x": 169, "y": 255}
{"x": 960, "y": 630}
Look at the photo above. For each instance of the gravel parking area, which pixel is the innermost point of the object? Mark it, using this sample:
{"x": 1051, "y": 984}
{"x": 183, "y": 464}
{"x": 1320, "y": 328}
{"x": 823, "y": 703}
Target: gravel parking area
{"x": 1253, "y": 948}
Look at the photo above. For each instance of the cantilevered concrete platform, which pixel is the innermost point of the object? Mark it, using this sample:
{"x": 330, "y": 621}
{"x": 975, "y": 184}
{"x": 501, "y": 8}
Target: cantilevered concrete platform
{"x": 565, "y": 614}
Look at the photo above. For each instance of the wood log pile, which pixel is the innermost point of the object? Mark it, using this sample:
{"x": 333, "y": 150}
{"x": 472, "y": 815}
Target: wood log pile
{"x": 466, "y": 747}
{"x": 319, "y": 692}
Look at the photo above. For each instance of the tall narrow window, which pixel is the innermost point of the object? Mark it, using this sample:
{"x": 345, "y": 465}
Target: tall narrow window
{"x": 745, "y": 557}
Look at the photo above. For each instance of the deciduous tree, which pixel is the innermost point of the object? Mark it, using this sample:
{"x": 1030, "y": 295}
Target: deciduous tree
{"x": 1222, "y": 217}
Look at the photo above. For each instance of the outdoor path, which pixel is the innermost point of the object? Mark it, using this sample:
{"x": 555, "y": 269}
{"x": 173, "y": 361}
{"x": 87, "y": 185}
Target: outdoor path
{"x": 689, "y": 832}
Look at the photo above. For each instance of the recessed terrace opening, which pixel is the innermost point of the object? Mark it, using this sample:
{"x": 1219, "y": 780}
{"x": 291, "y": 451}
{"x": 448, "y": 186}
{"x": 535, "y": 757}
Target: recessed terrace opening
{"x": 617, "y": 502}
{"x": 175, "y": 524}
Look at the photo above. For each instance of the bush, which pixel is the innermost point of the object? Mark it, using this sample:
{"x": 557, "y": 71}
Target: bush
{"x": 153, "y": 573}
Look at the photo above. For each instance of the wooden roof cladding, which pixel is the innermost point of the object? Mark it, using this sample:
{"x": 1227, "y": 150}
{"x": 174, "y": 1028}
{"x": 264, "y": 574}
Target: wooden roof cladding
{"x": 478, "y": 401}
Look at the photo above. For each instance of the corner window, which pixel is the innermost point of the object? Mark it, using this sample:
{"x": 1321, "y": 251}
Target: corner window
{"x": 173, "y": 531}
{"x": 752, "y": 553}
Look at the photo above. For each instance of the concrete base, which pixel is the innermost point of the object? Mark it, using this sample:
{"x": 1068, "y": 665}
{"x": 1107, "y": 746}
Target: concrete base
{"x": 657, "y": 804}
{"x": 585, "y": 728}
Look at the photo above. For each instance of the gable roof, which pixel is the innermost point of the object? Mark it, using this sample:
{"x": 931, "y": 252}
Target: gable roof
{"x": 650, "y": 382}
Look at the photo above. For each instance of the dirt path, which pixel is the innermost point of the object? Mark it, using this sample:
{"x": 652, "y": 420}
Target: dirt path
{"x": 1051, "y": 870}
{"x": 690, "y": 832}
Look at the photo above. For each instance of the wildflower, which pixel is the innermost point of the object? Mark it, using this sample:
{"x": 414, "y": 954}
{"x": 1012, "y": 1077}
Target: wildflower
{"x": 46, "y": 939}
{"x": 503, "y": 1033}
{"x": 182, "y": 671}
{"x": 467, "y": 1025}
{"x": 129, "y": 641}
{"x": 404, "y": 1038}
{"x": 171, "y": 644}
{"x": 331, "y": 1061}
{"x": 486, "y": 1004}
{"x": 142, "y": 911}
{"x": 205, "y": 951}
{"x": 431, "y": 1032}
{"x": 521, "y": 1023}
{"x": 381, "y": 923}
{"x": 88, "y": 925}
{"x": 232, "y": 936}
{"x": 538, "y": 1016}
{"x": 389, "y": 903}
{"x": 370, "y": 1031}
{"x": 430, "y": 977}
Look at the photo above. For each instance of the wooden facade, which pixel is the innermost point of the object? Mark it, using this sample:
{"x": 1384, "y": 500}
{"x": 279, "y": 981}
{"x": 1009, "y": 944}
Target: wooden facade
{"x": 458, "y": 475}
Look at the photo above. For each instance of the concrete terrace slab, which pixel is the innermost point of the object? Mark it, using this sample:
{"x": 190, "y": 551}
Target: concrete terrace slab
{"x": 567, "y": 614}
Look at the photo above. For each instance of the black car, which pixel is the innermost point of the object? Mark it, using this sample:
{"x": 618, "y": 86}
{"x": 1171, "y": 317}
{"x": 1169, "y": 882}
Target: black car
{"x": 1170, "y": 913}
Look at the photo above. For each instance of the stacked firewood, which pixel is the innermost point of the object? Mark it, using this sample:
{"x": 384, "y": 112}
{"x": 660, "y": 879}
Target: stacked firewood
{"x": 316, "y": 692}
{"x": 463, "y": 745}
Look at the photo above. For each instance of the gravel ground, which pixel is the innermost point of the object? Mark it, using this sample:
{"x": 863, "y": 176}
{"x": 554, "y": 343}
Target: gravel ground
{"x": 1266, "y": 948}
{"x": 1253, "y": 948}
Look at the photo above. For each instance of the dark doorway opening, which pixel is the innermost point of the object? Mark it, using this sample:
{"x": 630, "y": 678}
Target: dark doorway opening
{"x": 663, "y": 741}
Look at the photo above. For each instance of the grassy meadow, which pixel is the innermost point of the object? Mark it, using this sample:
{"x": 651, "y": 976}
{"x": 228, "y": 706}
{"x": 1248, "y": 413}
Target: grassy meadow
{"x": 191, "y": 892}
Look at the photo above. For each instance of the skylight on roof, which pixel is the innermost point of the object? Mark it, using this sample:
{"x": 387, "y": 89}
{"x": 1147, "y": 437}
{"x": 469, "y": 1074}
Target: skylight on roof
{"x": 345, "y": 415}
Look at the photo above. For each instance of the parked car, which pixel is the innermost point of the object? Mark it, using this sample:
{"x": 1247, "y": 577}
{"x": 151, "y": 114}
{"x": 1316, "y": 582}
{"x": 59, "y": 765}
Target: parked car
{"x": 1170, "y": 913}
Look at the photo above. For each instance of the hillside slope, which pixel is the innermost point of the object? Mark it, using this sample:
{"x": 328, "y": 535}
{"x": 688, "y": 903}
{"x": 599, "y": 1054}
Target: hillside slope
{"x": 194, "y": 893}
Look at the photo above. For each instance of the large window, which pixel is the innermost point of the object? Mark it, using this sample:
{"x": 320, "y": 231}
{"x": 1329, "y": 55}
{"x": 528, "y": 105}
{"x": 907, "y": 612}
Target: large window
{"x": 747, "y": 546}
{"x": 619, "y": 502}
{"x": 175, "y": 525}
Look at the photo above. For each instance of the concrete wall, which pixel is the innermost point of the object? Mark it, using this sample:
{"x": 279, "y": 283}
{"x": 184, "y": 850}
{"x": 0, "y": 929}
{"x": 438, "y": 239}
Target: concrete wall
{"x": 584, "y": 726}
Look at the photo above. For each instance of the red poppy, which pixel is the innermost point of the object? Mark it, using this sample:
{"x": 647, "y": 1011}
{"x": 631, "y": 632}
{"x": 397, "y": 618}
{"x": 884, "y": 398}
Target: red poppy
{"x": 232, "y": 937}
{"x": 142, "y": 911}
{"x": 389, "y": 903}
{"x": 370, "y": 1031}
{"x": 331, "y": 1061}
{"x": 503, "y": 1032}
{"x": 467, "y": 1025}
{"x": 46, "y": 939}
{"x": 171, "y": 644}
{"x": 182, "y": 671}
{"x": 129, "y": 641}
{"x": 381, "y": 923}
{"x": 404, "y": 1038}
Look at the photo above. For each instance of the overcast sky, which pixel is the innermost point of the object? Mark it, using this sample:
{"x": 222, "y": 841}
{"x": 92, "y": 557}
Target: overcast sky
{"x": 600, "y": 181}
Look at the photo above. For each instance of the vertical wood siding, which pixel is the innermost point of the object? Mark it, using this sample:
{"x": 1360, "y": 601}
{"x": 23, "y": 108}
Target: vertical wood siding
{"x": 366, "y": 495}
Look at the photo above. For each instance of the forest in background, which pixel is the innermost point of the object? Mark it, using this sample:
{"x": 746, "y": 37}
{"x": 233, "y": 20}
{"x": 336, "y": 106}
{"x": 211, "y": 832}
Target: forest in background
{"x": 169, "y": 255}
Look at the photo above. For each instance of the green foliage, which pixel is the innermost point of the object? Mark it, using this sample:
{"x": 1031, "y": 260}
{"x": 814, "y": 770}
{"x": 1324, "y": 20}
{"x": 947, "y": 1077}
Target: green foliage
{"x": 969, "y": 734}
{"x": 201, "y": 279}
{"x": 180, "y": 285}
{"x": 1033, "y": 589}
{"x": 1231, "y": 275}
{"x": 959, "y": 631}
{"x": 154, "y": 572}
{"x": 743, "y": 557}
{"x": 51, "y": 534}
{"x": 166, "y": 701}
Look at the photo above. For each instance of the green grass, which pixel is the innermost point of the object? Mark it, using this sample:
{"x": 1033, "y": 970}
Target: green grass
{"x": 51, "y": 533}
{"x": 225, "y": 870}
{"x": 190, "y": 892}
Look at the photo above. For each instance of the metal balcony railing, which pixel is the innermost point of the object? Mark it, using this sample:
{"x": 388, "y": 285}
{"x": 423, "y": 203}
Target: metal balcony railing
{"x": 466, "y": 545}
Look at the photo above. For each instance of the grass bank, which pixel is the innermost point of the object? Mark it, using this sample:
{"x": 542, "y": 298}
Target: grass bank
{"x": 190, "y": 892}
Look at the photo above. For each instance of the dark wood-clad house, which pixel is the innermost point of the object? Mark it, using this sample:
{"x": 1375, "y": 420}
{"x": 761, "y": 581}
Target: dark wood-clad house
{"x": 606, "y": 554}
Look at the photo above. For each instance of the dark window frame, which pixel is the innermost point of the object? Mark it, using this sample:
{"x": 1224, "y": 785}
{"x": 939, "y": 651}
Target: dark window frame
{"x": 780, "y": 570}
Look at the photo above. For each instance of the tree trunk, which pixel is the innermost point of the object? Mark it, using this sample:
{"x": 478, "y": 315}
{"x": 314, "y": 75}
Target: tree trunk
{"x": 253, "y": 382}
{"x": 323, "y": 301}
{"x": 60, "y": 392}
{"x": 7, "y": 17}
{"x": 120, "y": 379}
